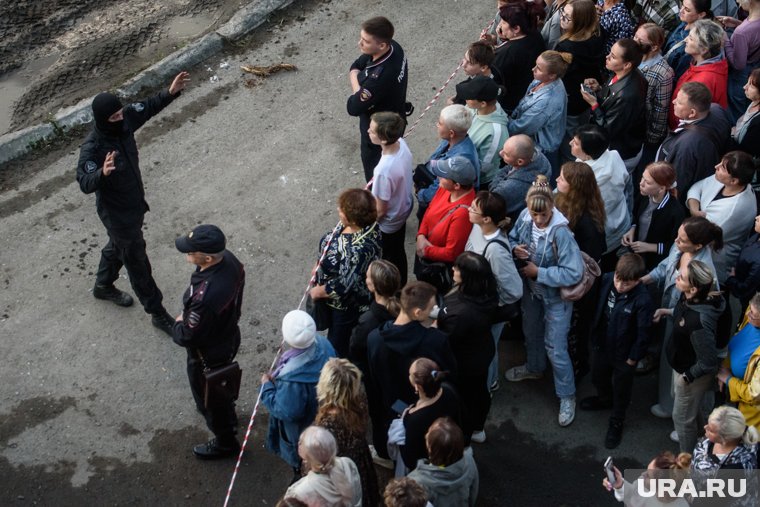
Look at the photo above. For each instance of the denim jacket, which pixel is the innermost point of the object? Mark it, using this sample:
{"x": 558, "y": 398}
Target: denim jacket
{"x": 541, "y": 114}
{"x": 464, "y": 148}
{"x": 553, "y": 272}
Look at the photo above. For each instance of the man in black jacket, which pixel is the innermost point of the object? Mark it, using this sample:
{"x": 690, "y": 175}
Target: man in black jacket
{"x": 109, "y": 166}
{"x": 378, "y": 83}
{"x": 208, "y": 329}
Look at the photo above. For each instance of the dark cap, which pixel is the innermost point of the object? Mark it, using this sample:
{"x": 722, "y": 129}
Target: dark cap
{"x": 457, "y": 169}
{"x": 205, "y": 238}
{"x": 479, "y": 88}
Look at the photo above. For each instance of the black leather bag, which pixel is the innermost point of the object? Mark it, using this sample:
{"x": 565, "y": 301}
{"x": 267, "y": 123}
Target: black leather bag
{"x": 221, "y": 384}
{"x": 320, "y": 312}
{"x": 437, "y": 274}
{"x": 422, "y": 177}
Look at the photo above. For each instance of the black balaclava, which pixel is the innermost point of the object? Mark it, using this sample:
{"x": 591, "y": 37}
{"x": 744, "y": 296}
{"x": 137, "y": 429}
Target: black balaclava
{"x": 103, "y": 106}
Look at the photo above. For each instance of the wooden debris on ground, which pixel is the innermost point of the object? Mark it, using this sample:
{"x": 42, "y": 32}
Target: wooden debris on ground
{"x": 268, "y": 70}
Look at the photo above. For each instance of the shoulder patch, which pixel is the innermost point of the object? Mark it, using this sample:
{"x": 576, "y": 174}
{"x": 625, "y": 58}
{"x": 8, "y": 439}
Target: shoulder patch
{"x": 365, "y": 95}
{"x": 193, "y": 319}
{"x": 138, "y": 107}
{"x": 90, "y": 167}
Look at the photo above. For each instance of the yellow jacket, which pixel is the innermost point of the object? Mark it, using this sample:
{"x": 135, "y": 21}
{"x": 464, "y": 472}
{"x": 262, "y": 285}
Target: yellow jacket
{"x": 746, "y": 391}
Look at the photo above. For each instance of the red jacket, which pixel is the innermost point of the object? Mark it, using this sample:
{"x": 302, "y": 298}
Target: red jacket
{"x": 713, "y": 75}
{"x": 447, "y": 233}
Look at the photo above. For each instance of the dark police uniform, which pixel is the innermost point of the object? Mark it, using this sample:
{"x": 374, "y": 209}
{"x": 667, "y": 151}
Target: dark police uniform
{"x": 382, "y": 87}
{"x": 120, "y": 201}
{"x": 210, "y": 333}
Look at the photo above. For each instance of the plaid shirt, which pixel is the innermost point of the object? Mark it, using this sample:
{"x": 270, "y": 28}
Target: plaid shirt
{"x": 659, "y": 12}
{"x": 659, "y": 77}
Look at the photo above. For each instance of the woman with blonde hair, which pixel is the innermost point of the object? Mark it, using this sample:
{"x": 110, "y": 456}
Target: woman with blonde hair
{"x": 332, "y": 480}
{"x": 579, "y": 199}
{"x": 729, "y": 443}
{"x": 542, "y": 112}
{"x": 343, "y": 411}
{"x": 690, "y": 348}
{"x": 550, "y": 259}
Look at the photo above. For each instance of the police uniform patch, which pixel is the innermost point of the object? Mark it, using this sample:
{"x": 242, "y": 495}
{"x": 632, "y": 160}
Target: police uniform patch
{"x": 376, "y": 72}
{"x": 365, "y": 95}
{"x": 193, "y": 319}
{"x": 138, "y": 106}
{"x": 90, "y": 167}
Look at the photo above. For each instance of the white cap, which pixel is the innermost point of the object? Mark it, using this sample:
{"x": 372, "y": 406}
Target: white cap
{"x": 299, "y": 329}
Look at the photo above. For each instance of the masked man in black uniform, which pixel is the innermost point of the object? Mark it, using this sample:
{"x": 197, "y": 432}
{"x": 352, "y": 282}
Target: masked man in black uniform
{"x": 378, "y": 83}
{"x": 109, "y": 166}
{"x": 208, "y": 329}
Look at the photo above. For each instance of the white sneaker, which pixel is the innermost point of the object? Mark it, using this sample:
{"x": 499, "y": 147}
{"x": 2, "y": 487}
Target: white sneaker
{"x": 660, "y": 412}
{"x": 380, "y": 461}
{"x": 674, "y": 436}
{"x": 478, "y": 437}
{"x": 566, "y": 411}
{"x": 521, "y": 372}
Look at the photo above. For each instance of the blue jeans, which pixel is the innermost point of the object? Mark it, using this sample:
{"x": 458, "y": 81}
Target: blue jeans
{"x": 546, "y": 325}
{"x": 493, "y": 369}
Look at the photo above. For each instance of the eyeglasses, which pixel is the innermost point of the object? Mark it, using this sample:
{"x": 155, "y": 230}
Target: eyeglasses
{"x": 473, "y": 210}
{"x": 563, "y": 16}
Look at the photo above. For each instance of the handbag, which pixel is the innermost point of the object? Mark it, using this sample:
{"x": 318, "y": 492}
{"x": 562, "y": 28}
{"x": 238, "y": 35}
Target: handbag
{"x": 437, "y": 274}
{"x": 591, "y": 272}
{"x": 422, "y": 177}
{"x": 319, "y": 311}
{"x": 221, "y": 384}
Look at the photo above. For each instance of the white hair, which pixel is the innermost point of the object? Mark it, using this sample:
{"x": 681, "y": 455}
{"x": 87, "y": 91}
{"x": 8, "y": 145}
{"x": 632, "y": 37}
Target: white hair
{"x": 732, "y": 426}
{"x": 457, "y": 118}
{"x": 319, "y": 445}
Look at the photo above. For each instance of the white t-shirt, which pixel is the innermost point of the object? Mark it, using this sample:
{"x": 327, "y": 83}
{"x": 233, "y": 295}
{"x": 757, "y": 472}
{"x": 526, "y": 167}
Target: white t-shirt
{"x": 392, "y": 182}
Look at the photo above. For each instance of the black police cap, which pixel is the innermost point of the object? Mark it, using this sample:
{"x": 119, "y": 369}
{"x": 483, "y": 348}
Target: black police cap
{"x": 204, "y": 238}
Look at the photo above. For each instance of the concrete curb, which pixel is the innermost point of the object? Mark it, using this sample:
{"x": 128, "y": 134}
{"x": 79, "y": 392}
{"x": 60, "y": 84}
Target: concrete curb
{"x": 245, "y": 20}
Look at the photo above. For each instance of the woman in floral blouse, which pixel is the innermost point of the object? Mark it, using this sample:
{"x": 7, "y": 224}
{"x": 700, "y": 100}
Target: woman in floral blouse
{"x": 616, "y": 22}
{"x": 341, "y": 275}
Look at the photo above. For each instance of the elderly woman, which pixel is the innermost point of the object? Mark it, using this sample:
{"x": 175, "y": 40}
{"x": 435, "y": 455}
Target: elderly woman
{"x": 691, "y": 11}
{"x": 449, "y": 475}
{"x": 690, "y": 349}
{"x": 739, "y": 372}
{"x": 709, "y": 66}
{"x": 542, "y": 112}
{"x": 620, "y": 105}
{"x": 729, "y": 443}
{"x": 332, "y": 480}
{"x": 289, "y": 391}
{"x": 347, "y": 254}
{"x": 343, "y": 411}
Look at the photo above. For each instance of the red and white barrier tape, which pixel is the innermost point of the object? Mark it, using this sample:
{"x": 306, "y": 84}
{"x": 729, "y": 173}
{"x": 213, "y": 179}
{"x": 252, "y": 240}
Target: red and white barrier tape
{"x": 335, "y": 231}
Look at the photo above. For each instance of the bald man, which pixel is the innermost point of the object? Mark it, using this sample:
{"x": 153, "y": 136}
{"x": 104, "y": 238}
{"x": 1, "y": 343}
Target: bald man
{"x": 524, "y": 163}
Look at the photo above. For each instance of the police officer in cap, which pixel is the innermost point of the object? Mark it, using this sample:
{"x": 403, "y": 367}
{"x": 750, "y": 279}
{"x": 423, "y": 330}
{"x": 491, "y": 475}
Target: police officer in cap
{"x": 208, "y": 329}
{"x": 108, "y": 165}
{"x": 378, "y": 83}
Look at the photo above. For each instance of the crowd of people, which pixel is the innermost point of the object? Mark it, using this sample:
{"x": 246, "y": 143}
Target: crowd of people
{"x": 591, "y": 194}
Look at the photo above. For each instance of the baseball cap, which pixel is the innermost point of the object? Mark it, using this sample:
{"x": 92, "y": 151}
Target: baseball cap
{"x": 457, "y": 169}
{"x": 479, "y": 88}
{"x": 204, "y": 238}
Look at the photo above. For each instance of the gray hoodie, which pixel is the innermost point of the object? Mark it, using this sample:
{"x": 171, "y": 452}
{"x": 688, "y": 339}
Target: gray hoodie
{"x": 453, "y": 486}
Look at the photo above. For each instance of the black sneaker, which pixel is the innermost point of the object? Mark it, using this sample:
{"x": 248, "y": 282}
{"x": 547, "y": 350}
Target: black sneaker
{"x": 111, "y": 293}
{"x": 614, "y": 434}
{"x": 595, "y": 403}
{"x": 213, "y": 450}
{"x": 163, "y": 321}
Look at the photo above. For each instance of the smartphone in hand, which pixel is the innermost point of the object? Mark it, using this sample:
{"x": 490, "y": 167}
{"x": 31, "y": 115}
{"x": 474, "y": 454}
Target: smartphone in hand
{"x": 610, "y": 471}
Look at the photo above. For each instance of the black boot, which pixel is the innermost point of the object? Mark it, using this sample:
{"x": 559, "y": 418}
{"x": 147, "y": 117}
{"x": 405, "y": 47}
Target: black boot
{"x": 213, "y": 449}
{"x": 163, "y": 321}
{"x": 111, "y": 293}
{"x": 614, "y": 434}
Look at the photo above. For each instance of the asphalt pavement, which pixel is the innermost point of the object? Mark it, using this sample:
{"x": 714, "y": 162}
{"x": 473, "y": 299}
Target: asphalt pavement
{"x": 94, "y": 403}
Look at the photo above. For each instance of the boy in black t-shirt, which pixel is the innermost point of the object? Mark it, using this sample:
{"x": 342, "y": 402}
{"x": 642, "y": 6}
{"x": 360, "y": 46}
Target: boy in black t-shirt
{"x": 622, "y": 324}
